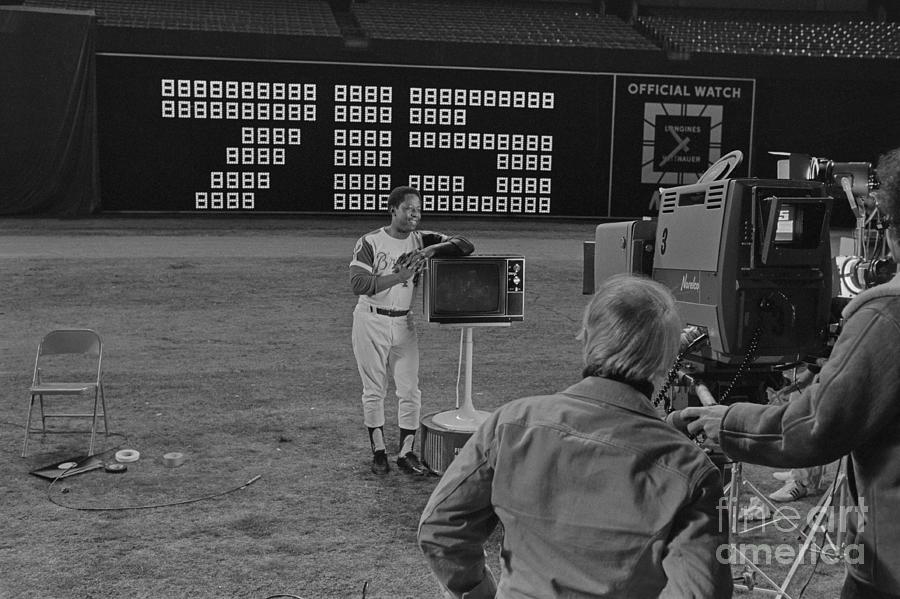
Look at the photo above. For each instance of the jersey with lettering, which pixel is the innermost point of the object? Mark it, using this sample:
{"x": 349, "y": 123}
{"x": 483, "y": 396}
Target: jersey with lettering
{"x": 377, "y": 253}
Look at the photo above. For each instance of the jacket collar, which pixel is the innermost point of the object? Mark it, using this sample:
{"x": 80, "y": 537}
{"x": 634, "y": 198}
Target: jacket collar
{"x": 616, "y": 393}
{"x": 891, "y": 288}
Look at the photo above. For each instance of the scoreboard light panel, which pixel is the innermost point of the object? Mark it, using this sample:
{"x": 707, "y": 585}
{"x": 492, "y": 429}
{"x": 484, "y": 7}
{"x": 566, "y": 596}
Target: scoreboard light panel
{"x": 364, "y": 147}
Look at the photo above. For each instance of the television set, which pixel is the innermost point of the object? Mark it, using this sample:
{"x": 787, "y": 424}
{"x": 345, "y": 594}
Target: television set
{"x": 475, "y": 290}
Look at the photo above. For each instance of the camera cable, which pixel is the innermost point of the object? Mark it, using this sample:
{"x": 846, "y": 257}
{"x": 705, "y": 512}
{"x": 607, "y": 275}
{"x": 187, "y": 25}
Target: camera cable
{"x": 745, "y": 363}
{"x": 88, "y": 508}
{"x": 662, "y": 394}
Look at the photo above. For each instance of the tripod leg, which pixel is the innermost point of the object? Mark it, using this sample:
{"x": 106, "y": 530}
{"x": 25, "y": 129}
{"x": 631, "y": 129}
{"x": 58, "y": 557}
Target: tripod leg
{"x": 733, "y": 493}
{"x": 815, "y": 525}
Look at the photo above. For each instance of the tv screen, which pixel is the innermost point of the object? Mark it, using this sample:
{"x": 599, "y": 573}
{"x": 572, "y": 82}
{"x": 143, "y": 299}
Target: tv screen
{"x": 787, "y": 229}
{"x": 794, "y": 230}
{"x": 468, "y": 287}
{"x": 478, "y": 290}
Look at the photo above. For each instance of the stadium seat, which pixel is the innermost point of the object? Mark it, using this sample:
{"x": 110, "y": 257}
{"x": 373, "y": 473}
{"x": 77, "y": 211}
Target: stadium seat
{"x": 68, "y": 365}
{"x": 518, "y": 23}
{"x": 815, "y": 38}
{"x": 276, "y": 17}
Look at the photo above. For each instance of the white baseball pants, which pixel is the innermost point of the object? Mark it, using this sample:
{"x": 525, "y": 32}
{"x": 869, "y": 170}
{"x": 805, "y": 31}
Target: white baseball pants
{"x": 387, "y": 347}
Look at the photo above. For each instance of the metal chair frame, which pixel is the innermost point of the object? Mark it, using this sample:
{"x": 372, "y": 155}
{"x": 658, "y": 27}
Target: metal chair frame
{"x": 67, "y": 342}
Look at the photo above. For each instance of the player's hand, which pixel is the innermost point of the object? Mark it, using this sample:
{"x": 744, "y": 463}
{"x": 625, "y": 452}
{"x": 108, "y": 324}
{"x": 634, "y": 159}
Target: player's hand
{"x": 403, "y": 270}
{"x": 706, "y": 420}
{"x": 414, "y": 261}
{"x": 418, "y": 260}
{"x": 409, "y": 264}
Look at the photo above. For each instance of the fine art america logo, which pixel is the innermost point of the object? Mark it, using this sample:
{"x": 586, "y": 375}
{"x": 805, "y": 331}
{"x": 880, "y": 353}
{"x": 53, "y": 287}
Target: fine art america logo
{"x": 829, "y": 526}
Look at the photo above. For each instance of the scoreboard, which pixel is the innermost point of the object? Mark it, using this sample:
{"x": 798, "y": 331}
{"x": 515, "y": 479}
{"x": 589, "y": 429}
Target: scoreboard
{"x": 188, "y": 134}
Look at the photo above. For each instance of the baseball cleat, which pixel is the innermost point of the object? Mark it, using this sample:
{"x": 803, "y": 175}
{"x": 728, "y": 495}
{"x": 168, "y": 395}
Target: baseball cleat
{"x": 410, "y": 464}
{"x": 380, "y": 463}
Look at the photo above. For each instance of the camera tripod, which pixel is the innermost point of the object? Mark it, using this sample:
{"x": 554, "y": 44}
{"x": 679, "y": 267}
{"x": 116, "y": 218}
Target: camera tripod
{"x": 819, "y": 519}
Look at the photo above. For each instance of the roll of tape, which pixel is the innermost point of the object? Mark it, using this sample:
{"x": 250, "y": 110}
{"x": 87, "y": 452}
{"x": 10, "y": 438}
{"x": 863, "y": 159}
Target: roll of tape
{"x": 116, "y": 468}
{"x": 173, "y": 459}
{"x": 127, "y": 455}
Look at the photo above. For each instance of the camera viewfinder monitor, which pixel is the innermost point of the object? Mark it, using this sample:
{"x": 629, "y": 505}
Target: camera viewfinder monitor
{"x": 787, "y": 227}
{"x": 479, "y": 289}
{"x": 794, "y": 230}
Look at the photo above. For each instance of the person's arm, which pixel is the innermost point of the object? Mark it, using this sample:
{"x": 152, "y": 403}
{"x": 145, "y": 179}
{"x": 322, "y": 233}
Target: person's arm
{"x": 853, "y": 398}
{"x": 459, "y": 518}
{"x": 695, "y": 561}
{"x": 435, "y": 244}
{"x": 364, "y": 281}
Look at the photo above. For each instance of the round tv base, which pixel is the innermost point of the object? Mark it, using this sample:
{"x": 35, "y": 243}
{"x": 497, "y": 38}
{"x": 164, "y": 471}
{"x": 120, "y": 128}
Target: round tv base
{"x": 465, "y": 419}
{"x": 440, "y": 444}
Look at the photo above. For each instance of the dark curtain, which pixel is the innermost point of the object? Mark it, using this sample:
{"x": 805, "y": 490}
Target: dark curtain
{"x": 48, "y": 113}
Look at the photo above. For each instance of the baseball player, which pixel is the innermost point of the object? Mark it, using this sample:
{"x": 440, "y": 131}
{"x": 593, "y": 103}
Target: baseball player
{"x": 384, "y": 273}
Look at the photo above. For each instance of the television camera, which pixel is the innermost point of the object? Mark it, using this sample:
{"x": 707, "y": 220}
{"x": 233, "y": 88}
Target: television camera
{"x": 749, "y": 262}
{"x": 864, "y": 260}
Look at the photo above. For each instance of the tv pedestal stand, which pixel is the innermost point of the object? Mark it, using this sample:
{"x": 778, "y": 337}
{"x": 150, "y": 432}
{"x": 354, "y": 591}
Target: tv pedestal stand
{"x": 465, "y": 417}
{"x": 444, "y": 433}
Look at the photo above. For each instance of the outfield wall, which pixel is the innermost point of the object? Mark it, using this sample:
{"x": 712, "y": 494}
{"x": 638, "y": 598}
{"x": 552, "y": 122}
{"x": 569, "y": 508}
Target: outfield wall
{"x": 213, "y": 135}
{"x": 203, "y": 123}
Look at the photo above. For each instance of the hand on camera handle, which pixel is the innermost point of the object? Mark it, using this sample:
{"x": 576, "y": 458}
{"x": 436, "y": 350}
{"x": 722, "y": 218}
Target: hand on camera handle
{"x": 676, "y": 420}
{"x": 706, "y": 420}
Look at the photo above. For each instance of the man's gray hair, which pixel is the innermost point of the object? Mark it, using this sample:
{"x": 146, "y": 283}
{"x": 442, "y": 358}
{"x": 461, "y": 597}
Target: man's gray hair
{"x": 630, "y": 329}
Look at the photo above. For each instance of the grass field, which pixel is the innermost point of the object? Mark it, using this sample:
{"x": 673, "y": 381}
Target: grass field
{"x": 228, "y": 340}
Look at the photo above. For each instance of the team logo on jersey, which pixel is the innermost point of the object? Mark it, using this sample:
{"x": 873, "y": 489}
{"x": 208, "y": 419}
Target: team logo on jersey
{"x": 383, "y": 263}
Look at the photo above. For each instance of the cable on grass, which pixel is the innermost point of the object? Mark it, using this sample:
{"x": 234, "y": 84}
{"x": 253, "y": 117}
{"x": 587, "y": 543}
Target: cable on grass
{"x": 365, "y": 586}
{"x": 145, "y": 506}
{"x": 811, "y": 574}
{"x": 131, "y": 507}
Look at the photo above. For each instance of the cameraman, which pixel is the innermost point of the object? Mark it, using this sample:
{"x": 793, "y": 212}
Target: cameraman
{"x": 853, "y": 407}
{"x": 597, "y": 496}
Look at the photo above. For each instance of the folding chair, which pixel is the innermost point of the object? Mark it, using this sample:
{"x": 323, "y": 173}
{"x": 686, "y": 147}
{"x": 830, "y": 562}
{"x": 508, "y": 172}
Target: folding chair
{"x": 63, "y": 356}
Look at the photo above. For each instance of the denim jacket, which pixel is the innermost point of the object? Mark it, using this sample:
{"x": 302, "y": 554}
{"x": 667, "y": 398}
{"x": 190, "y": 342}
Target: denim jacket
{"x": 597, "y": 496}
{"x": 852, "y": 407}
